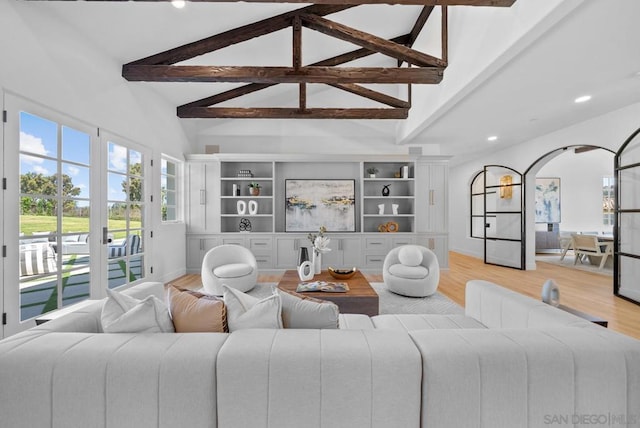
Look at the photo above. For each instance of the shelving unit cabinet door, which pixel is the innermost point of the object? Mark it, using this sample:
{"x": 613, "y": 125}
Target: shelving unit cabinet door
{"x": 197, "y": 247}
{"x": 432, "y": 200}
{"x": 202, "y": 197}
{"x": 287, "y": 250}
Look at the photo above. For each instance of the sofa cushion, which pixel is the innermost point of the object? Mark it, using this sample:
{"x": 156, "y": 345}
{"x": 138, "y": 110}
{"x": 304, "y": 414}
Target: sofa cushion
{"x": 233, "y": 270}
{"x": 244, "y": 311}
{"x": 126, "y": 314}
{"x": 299, "y": 311}
{"x": 412, "y": 322}
{"x": 410, "y": 255}
{"x": 36, "y": 259}
{"x": 409, "y": 272}
{"x": 192, "y": 311}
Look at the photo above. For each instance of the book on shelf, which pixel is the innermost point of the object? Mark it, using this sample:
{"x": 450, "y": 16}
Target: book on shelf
{"x": 329, "y": 287}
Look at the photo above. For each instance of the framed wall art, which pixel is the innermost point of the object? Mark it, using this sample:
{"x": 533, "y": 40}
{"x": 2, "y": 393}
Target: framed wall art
{"x": 548, "y": 200}
{"x": 314, "y": 203}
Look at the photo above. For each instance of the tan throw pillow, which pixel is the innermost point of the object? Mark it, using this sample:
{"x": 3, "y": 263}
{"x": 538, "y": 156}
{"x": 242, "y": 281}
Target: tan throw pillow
{"x": 192, "y": 311}
{"x": 300, "y": 311}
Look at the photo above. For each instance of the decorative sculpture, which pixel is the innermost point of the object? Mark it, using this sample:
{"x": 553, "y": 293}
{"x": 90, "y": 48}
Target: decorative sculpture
{"x": 242, "y": 207}
{"x": 253, "y": 207}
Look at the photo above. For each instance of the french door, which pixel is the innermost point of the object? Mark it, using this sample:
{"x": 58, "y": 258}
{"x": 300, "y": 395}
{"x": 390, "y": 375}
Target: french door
{"x": 626, "y": 231}
{"x": 503, "y": 206}
{"x": 73, "y": 213}
{"x": 126, "y": 207}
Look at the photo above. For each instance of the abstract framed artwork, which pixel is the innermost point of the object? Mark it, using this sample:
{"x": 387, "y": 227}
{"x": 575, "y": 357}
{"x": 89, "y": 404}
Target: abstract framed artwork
{"x": 548, "y": 200}
{"x": 314, "y": 203}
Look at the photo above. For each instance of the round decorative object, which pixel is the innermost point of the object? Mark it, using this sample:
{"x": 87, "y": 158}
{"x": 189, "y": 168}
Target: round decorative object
{"x": 385, "y": 190}
{"x": 392, "y": 226}
{"x": 253, "y": 207}
{"x": 306, "y": 271}
{"x": 551, "y": 293}
{"x": 382, "y": 228}
{"x": 342, "y": 273}
{"x": 241, "y": 206}
{"x": 245, "y": 225}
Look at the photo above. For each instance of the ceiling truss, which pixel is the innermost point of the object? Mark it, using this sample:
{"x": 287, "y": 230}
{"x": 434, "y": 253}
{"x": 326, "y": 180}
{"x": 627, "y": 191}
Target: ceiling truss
{"x": 413, "y": 67}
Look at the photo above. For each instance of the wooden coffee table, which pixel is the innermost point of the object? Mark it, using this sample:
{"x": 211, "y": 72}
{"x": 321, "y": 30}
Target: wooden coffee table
{"x": 360, "y": 299}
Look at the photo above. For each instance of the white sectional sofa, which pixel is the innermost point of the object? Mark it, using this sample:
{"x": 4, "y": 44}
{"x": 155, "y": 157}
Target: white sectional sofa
{"x": 510, "y": 362}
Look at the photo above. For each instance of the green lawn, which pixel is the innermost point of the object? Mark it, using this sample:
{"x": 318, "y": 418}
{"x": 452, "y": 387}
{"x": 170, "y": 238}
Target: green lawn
{"x": 39, "y": 223}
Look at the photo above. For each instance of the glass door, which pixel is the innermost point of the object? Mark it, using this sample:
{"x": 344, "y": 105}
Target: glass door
{"x": 126, "y": 213}
{"x": 48, "y": 217}
{"x": 626, "y": 231}
{"x": 503, "y": 217}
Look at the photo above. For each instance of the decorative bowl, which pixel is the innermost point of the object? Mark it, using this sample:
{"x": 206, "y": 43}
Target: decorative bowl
{"x": 342, "y": 273}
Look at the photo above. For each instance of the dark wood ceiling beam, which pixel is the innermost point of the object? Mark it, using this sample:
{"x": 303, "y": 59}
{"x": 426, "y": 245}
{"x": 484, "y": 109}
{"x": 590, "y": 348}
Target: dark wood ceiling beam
{"x": 370, "y": 41}
{"x": 417, "y": 27}
{"x": 292, "y": 113}
{"x": 254, "y": 87}
{"x": 419, "y": 24}
{"x": 372, "y": 95}
{"x": 228, "y": 95}
{"x": 201, "y": 73}
{"x": 236, "y": 35}
{"x": 493, "y": 3}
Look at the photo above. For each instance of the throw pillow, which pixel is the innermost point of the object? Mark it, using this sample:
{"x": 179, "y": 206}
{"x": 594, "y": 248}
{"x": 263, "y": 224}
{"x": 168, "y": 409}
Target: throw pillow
{"x": 299, "y": 311}
{"x": 126, "y": 314}
{"x": 192, "y": 311}
{"x": 410, "y": 255}
{"x": 244, "y": 311}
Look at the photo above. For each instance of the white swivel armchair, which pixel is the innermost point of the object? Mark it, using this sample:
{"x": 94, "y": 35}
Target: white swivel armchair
{"x": 411, "y": 270}
{"x": 231, "y": 265}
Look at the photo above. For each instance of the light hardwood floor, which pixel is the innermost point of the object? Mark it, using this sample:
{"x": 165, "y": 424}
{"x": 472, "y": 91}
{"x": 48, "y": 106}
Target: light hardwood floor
{"x": 585, "y": 291}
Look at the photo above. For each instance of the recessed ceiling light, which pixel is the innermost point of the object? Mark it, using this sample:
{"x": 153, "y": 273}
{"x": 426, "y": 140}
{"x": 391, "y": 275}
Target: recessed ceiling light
{"x": 178, "y": 4}
{"x": 582, "y": 99}
{"x": 492, "y": 138}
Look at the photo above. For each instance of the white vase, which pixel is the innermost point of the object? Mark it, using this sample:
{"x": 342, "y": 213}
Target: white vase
{"x": 253, "y": 207}
{"x": 317, "y": 262}
{"x": 394, "y": 208}
{"x": 381, "y": 209}
{"x": 241, "y": 206}
{"x": 306, "y": 271}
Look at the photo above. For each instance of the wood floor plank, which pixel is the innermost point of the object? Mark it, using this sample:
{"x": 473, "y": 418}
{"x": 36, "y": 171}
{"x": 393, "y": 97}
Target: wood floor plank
{"x": 585, "y": 291}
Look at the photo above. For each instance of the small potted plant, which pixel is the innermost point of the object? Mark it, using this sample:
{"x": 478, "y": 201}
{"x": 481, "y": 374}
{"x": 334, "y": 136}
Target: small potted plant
{"x": 372, "y": 172}
{"x": 254, "y": 188}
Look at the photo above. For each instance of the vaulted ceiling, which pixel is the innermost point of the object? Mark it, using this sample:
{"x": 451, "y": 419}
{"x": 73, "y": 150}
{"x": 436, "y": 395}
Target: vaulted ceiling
{"x": 421, "y": 68}
{"x": 576, "y": 47}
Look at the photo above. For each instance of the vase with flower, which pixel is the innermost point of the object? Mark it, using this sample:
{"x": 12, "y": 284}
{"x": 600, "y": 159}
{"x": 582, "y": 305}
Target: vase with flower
{"x": 320, "y": 245}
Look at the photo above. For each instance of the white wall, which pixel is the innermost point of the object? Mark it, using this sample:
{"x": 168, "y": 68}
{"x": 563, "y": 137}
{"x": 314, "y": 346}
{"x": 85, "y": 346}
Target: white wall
{"x": 47, "y": 63}
{"x": 580, "y": 188}
{"x": 609, "y": 131}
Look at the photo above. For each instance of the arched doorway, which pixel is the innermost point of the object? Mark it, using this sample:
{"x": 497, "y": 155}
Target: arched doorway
{"x": 581, "y": 192}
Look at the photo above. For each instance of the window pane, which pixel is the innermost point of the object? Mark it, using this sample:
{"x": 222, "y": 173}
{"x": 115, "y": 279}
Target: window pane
{"x": 136, "y": 189}
{"x": 37, "y": 176}
{"x": 76, "y": 146}
{"x": 171, "y": 168}
{"x": 117, "y": 187}
{"x": 75, "y": 180}
{"x": 135, "y": 163}
{"x": 38, "y": 135}
{"x": 117, "y": 158}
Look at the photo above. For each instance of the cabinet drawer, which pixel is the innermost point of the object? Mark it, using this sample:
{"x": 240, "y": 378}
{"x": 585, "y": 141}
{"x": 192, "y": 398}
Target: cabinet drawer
{"x": 406, "y": 240}
{"x": 233, "y": 241}
{"x": 372, "y": 260}
{"x": 376, "y": 244}
{"x": 257, "y": 244}
{"x": 264, "y": 261}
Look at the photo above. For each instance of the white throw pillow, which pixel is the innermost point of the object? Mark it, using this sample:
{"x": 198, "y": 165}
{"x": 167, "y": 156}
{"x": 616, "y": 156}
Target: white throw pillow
{"x": 126, "y": 314}
{"x": 244, "y": 311}
{"x": 299, "y": 311}
{"x": 410, "y": 255}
